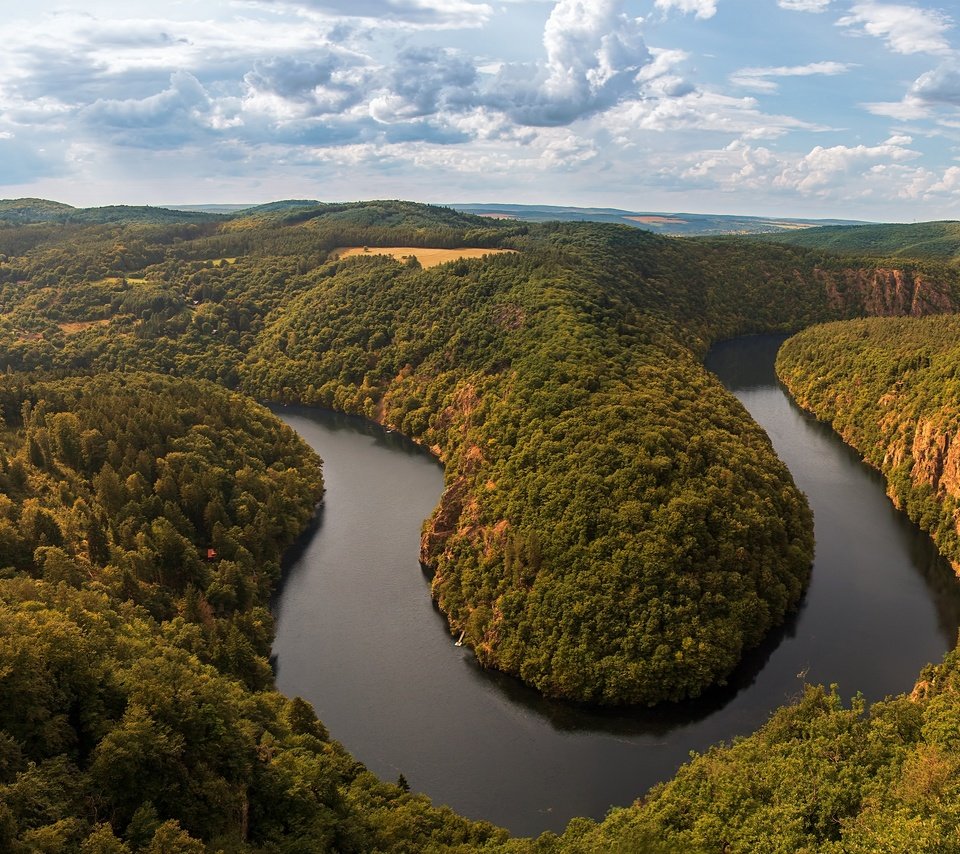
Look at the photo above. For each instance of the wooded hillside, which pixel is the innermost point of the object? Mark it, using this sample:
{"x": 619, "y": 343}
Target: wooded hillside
{"x": 614, "y": 526}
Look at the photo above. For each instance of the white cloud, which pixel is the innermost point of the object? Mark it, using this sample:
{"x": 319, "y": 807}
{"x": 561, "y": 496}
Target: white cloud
{"x": 543, "y": 150}
{"x": 937, "y": 88}
{"x": 948, "y": 183}
{"x": 940, "y": 86}
{"x": 908, "y": 109}
{"x": 184, "y": 97}
{"x": 454, "y": 14}
{"x": 330, "y": 81}
{"x": 804, "y": 5}
{"x": 825, "y": 168}
{"x": 915, "y": 183}
{"x": 594, "y": 56}
{"x": 426, "y": 81}
{"x": 839, "y": 172}
{"x": 758, "y": 78}
{"x": 906, "y": 29}
{"x": 737, "y": 165}
{"x": 701, "y": 8}
{"x": 290, "y": 92}
{"x": 700, "y": 112}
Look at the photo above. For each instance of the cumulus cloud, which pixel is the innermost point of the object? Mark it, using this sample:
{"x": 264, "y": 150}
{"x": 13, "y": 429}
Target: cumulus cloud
{"x": 836, "y": 174}
{"x": 736, "y": 167}
{"x": 75, "y": 59}
{"x": 937, "y": 88}
{"x": 701, "y": 8}
{"x": 184, "y": 99}
{"x": 906, "y": 29}
{"x": 329, "y": 81}
{"x": 426, "y": 81}
{"x": 940, "y": 86}
{"x": 948, "y": 183}
{"x": 804, "y": 5}
{"x": 262, "y": 89}
{"x": 824, "y": 168}
{"x": 595, "y": 58}
{"x": 594, "y": 55}
{"x": 759, "y": 78}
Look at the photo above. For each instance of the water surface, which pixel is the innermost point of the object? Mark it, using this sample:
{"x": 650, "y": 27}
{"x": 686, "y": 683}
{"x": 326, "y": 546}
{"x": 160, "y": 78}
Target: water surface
{"x": 358, "y": 636}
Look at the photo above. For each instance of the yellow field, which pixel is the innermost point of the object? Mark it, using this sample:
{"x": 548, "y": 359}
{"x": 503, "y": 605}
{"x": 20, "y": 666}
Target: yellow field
{"x": 427, "y": 257}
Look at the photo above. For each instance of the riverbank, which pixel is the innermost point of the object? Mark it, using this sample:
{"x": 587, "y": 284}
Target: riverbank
{"x": 356, "y": 629}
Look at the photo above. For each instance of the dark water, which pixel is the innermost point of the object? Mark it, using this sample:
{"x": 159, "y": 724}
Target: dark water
{"x": 357, "y": 634}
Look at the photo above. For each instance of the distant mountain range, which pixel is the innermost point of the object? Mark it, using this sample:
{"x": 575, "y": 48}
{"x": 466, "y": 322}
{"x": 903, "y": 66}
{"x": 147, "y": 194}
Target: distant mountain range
{"x": 681, "y": 224}
{"x": 687, "y": 224}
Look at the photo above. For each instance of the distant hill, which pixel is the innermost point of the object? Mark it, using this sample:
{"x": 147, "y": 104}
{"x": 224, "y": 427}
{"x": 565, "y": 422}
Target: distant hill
{"x": 387, "y": 213}
{"x": 683, "y": 224}
{"x": 923, "y": 240}
{"x": 26, "y": 211}
{"x": 279, "y": 207}
{"x": 379, "y": 213}
{"x": 32, "y": 210}
{"x": 214, "y": 208}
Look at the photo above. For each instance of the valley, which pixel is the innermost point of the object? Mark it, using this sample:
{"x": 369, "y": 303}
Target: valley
{"x": 614, "y": 529}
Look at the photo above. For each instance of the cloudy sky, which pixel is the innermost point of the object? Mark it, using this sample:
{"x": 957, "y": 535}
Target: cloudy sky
{"x": 770, "y": 107}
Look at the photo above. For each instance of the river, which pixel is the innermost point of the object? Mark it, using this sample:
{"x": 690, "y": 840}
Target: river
{"x": 358, "y": 636}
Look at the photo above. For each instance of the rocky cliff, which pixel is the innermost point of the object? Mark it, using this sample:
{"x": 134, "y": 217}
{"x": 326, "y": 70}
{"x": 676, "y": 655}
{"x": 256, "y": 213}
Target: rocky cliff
{"x": 885, "y": 292}
{"x": 891, "y": 388}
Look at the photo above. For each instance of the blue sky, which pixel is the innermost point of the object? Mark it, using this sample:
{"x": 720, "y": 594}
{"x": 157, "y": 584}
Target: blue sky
{"x": 768, "y": 107}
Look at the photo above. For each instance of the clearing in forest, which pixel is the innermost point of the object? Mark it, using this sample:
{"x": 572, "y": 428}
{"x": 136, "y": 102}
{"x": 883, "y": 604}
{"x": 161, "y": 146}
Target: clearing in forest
{"x": 75, "y": 326}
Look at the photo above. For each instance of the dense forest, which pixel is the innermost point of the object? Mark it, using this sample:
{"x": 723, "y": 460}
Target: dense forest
{"x": 614, "y": 527}
{"x": 937, "y": 241}
{"x": 890, "y": 388}
{"x": 135, "y": 705}
{"x": 820, "y": 776}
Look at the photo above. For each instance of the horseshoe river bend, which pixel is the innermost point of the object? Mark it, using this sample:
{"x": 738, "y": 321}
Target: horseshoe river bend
{"x": 358, "y": 636}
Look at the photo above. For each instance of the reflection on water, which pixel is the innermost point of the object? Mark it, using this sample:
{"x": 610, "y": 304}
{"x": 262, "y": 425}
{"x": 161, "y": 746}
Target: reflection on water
{"x": 358, "y": 635}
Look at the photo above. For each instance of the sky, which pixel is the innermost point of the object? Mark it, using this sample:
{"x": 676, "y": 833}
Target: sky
{"x": 806, "y": 108}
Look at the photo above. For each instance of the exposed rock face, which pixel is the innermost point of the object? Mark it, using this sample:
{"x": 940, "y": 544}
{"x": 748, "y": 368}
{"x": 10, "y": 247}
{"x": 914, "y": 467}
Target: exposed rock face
{"x": 443, "y": 524}
{"x": 891, "y": 389}
{"x": 446, "y": 520}
{"x": 936, "y": 458}
{"x": 883, "y": 292}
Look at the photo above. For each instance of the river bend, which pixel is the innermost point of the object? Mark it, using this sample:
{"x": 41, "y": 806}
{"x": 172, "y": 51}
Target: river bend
{"x": 358, "y": 636}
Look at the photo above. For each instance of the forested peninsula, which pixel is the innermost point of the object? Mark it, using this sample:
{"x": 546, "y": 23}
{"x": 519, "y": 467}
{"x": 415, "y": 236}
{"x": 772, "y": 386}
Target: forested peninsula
{"x": 614, "y": 528}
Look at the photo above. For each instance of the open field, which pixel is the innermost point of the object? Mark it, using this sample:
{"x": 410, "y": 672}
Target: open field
{"x": 79, "y": 325}
{"x": 427, "y": 257}
{"x": 654, "y": 220}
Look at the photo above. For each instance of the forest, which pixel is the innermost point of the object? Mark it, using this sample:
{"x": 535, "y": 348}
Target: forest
{"x": 614, "y": 529}
{"x": 889, "y": 387}
{"x": 939, "y": 241}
